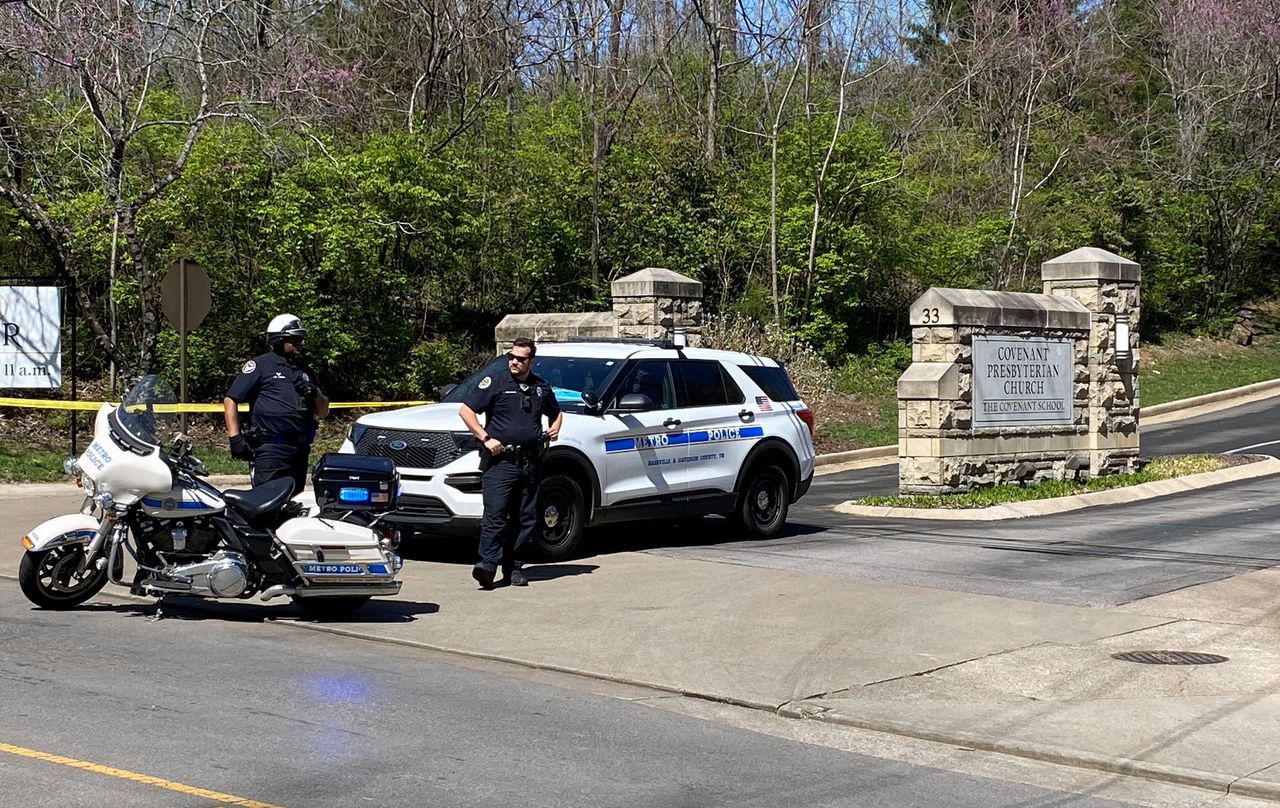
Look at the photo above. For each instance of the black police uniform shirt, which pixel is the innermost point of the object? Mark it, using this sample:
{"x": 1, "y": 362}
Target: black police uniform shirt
{"x": 507, "y": 416}
{"x": 276, "y": 410}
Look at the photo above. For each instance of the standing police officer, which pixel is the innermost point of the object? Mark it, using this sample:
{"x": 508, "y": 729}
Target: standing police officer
{"x": 285, "y": 405}
{"x": 513, "y": 405}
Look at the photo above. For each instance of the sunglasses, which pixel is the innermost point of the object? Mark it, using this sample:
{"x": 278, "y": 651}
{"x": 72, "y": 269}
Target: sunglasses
{"x": 521, "y": 359}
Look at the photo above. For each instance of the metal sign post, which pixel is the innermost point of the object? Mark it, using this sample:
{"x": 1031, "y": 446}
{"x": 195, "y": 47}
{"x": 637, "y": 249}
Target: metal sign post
{"x": 185, "y": 298}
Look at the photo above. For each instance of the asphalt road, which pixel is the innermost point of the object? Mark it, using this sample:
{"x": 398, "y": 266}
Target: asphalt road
{"x": 282, "y": 716}
{"x": 1106, "y": 555}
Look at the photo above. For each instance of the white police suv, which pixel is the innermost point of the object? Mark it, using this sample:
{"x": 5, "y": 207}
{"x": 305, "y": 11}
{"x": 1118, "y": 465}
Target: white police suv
{"x": 650, "y": 431}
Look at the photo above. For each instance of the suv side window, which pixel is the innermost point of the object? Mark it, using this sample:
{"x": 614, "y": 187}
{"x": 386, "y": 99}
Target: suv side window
{"x": 707, "y": 384}
{"x": 653, "y": 378}
{"x": 774, "y": 381}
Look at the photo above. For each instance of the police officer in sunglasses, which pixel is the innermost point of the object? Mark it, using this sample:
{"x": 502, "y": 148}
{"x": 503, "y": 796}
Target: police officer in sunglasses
{"x": 513, "y": 404}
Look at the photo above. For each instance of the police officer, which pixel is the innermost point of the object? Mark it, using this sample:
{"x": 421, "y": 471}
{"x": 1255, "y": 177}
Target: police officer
{"x": 513, "y": 405}
{"x": 285, "y": 404}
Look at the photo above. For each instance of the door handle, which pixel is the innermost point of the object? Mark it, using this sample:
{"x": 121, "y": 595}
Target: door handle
{"x": 746, "y": 415}
{"x": 670, "y": 422}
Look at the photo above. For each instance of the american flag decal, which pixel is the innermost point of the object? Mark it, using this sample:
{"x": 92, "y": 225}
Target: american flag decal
{"x": 763, "y": 403}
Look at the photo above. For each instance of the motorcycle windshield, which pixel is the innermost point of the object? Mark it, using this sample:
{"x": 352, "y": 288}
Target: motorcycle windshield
{"x": 147, "y": 412}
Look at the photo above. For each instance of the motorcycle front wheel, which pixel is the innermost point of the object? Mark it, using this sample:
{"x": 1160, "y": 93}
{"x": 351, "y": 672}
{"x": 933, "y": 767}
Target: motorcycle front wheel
{"x": 49, "y": 579}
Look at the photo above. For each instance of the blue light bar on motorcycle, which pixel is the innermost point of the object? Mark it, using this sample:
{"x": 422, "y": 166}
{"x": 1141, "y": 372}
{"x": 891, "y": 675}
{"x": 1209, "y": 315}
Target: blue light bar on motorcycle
{"x": 355, "y": 495}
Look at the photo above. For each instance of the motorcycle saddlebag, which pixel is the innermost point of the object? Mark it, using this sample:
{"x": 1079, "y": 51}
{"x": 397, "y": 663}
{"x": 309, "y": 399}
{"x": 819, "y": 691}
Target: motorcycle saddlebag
{"x": 347, "y": 482}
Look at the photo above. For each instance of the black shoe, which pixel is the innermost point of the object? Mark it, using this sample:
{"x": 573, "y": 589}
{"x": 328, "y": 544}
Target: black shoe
{"x": 483, "y": 576}
{"x": 516, "y": 578}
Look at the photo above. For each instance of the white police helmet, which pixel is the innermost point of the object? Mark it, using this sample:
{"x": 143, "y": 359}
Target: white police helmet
{"x": 284, "y": 326}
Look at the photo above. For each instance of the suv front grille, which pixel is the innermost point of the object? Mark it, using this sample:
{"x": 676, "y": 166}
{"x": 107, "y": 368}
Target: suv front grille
{"x": 408, "y": 449}
{"x": 417, "y": 508}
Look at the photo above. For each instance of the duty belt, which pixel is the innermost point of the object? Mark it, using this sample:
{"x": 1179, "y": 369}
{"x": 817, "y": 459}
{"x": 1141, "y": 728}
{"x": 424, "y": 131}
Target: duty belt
{"x": 529, "y": 451}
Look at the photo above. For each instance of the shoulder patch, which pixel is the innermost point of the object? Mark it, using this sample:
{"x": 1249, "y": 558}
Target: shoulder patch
{"x": 483, "y": 385}
{"x": 249, "y": 367}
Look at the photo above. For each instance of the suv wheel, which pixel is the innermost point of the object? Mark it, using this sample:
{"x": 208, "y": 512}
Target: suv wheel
{"x": 562, "y": 516}
{"x": 762, "y": 511}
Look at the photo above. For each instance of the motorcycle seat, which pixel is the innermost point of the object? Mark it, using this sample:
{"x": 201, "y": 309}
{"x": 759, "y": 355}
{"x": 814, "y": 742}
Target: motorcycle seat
{"x": 254, "y": 503}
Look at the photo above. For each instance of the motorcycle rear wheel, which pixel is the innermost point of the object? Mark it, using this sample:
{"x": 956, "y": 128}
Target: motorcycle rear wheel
{"x": 48, "y": 577}
{"x": 330, "y": 608}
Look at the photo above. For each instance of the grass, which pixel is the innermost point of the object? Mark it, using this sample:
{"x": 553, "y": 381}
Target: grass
{"x": 1162, "y": 468}
{"x": 1187, "y": 367}
{"x": 28, "y": 465}
{"x": 863, "y": 432}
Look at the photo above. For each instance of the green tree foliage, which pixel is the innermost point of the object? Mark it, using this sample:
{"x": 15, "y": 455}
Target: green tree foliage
{"x": 402, "y": 189}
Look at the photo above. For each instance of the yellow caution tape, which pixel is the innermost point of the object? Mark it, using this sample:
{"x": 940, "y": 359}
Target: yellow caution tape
{"x": 93, "y": 406}
{"x": 50, "y": 405}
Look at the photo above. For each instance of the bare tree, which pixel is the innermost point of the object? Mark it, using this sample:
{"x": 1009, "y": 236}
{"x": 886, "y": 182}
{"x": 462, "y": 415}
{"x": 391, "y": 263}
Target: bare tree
{"x": 1211, "y": 123}
{"x": 1013, "y": 71}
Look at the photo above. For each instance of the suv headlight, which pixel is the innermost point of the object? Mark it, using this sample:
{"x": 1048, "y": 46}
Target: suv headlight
{"x": 354, "y": 433}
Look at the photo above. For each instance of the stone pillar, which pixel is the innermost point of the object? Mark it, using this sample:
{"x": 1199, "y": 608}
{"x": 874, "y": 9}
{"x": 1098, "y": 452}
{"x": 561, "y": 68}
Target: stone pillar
{"x": 652, "y": 303}
{"x": 1109, "y": 286}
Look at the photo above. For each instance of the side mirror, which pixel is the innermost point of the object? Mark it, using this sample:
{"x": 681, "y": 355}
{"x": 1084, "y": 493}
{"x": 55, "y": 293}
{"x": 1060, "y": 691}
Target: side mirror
{"x": 634, "y": 402}
{"x": 445, "y": 389}
{"x": 591, "y": 400}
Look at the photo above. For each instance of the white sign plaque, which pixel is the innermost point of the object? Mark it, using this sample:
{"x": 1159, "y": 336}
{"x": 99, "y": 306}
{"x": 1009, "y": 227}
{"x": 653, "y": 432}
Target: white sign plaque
{"x": 30, "y": 337}
{"x": 1023, "y": 381}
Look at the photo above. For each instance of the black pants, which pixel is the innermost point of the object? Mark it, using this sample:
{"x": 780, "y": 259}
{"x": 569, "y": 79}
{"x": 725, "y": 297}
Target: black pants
{"x": 271, "y": 461}
{"x": 510, "y": 510}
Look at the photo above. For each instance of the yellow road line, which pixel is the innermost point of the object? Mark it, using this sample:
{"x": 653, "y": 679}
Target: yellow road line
{"x": 204, "y": 793}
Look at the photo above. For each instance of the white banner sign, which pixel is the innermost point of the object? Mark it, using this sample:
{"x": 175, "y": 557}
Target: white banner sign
{"x": 30, "y": 337}
{"x": 1024, "y": 381}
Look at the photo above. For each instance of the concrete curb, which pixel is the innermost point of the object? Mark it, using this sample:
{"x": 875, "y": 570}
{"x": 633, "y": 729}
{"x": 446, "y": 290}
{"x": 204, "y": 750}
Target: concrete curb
{"x": 1264, "y": 466}
{"x": 1272, "y": 386}
{"x": 1226, "y": 784}
{"x": 870, "y": 453}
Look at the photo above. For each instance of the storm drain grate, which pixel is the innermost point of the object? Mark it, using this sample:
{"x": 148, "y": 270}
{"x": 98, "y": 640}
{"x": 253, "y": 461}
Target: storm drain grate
{"x": 1169, "y": 658}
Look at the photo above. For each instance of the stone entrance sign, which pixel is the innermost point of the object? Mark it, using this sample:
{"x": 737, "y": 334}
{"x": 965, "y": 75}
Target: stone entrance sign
{"x": 1015, "y": 387}
{"x": 1021, "y": 380}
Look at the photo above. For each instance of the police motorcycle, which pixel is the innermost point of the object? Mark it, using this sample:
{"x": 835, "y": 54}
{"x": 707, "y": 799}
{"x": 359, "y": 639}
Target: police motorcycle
{"x": 185, "y": 537}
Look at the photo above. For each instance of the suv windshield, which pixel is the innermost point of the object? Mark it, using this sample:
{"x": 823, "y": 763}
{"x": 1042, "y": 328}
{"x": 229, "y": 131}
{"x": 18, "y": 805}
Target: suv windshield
{"x": 569, "y": 377}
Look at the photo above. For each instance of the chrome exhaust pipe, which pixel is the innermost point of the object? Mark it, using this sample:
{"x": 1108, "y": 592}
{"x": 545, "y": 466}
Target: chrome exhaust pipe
{"x": 278, "y": 590}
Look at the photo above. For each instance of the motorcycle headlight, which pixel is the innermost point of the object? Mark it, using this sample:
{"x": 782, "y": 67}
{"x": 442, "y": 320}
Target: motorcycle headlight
{"x": 104, "y": 501}
{"x": 69, "y": 467}
{"x": 90, "y": 487}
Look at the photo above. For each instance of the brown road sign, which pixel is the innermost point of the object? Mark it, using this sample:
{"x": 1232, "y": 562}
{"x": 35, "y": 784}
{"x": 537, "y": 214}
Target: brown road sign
{"x": 185, "y": 295}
